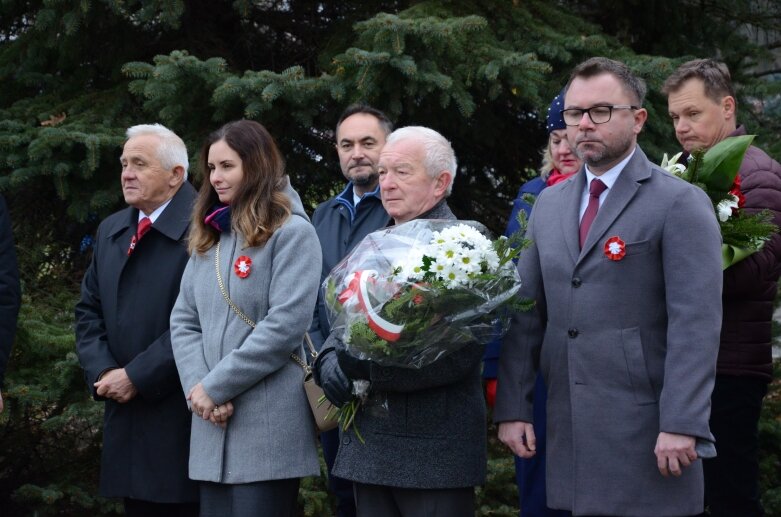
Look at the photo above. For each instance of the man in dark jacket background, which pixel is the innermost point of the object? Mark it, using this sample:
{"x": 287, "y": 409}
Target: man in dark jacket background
{"x": 341, "y": 223}
{"x": 122, "y": 329}
{"x": 702, "y": 105}
{"x": 10, "y": 295}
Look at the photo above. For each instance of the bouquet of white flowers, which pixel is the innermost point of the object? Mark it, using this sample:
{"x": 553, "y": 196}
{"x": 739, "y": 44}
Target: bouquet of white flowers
{"x": 410, "y": 294}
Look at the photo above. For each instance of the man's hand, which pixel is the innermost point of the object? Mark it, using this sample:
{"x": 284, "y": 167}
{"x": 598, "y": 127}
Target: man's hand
{"x": 519, "y": 437}
{"x": 220, "y": 414}
{"x": 116, "y": 385}
{"x": 202, "y": 403}
{"x": 1, "y": 402}
{"x": 673, "y": 452}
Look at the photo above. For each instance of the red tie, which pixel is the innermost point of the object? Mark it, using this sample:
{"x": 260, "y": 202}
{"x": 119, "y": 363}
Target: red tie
{"x": 594, "y": 190}
{"x": 144, "y": 225}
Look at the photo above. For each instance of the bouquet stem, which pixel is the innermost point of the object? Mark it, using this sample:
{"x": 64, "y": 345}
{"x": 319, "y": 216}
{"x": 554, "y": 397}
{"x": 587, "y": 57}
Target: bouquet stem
{"x": 345, "y": 415}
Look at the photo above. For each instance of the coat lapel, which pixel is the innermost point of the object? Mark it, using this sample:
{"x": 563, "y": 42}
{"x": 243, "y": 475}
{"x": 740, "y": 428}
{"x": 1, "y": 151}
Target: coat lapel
{"x": 571, "y": 193}
{"x": 175, "y": 219}
{"x": 624, "y": 189}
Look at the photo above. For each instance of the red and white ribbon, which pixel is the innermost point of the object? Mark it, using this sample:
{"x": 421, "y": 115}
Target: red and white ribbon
{"x": 382, "y": 327}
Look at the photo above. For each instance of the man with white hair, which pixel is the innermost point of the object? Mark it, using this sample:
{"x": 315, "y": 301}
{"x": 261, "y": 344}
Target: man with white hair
{"x": 122, "y": 329}
{"x": 425, "y": 451}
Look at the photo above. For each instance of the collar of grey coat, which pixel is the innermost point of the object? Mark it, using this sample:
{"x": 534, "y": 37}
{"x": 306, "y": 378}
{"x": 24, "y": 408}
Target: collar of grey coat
{"x": 638, "y": 170}
{"x": 172, "y": 223}
{"x": 439, "y": 211}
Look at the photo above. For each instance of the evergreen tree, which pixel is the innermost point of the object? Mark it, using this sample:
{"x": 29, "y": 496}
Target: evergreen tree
{"x": 75, "y": 75}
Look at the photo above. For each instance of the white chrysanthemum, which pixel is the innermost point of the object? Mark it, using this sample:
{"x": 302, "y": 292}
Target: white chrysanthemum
{"x": 438, "y": 267}
{"x": 491, "y": 259}
{"x": 725, "y": 206}
{"x": 463, "y": 233}
{"x": 412, "y": 266}
{"x": 447, "y": 252}
{"x": 469, "y": 261}
{"x": 455, "y": 277}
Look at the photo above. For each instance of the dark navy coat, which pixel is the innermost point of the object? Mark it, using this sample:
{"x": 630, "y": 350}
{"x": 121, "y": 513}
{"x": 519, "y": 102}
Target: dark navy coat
{"x": 340, "y": 226}
{"x": 122, "y": 321}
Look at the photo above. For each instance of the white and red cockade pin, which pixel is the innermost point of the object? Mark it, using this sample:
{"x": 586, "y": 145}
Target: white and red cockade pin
{"x": 243, "y": 266}
{"x": 615, "y": 248}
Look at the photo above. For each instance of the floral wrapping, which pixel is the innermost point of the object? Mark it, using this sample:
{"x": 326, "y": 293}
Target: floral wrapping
{"x": 412, "y": 293}
{"x": 716, "y": 172}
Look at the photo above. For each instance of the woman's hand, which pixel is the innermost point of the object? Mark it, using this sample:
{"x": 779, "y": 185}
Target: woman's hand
{"x": 220, "y": 414}
{"x": 202, "y": 404}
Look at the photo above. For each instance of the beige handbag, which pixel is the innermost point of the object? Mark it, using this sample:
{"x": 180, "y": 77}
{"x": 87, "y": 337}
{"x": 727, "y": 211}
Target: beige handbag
{"x": 322, "y": 410}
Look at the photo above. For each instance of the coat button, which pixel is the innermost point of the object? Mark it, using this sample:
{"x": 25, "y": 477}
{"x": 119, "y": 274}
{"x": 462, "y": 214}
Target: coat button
{"x": 576, "y": 282}
{"x": 345, "y": 440}
{"x": 573, "y": 333}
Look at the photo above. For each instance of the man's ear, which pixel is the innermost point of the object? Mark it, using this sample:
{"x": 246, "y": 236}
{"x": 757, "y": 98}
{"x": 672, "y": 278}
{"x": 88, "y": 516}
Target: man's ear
{"x": 177, "y": 176}
{"x": 641, "y": 115}
{"x": 443, "y": 182}
{"x": 728, "y": 106}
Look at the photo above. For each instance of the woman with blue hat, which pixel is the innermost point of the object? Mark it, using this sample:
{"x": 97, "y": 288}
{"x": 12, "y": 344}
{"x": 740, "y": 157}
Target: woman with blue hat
{"x": 559, "y": 162}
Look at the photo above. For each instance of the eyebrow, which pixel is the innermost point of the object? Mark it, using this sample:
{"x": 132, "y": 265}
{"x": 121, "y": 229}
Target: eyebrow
{"x": 362, "y": 139}
{"x": 596, "y": 104}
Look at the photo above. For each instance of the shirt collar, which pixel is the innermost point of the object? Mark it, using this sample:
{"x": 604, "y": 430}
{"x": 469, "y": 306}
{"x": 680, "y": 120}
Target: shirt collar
{"x": 154, "y": 215}
{"x": 610, "y": 176}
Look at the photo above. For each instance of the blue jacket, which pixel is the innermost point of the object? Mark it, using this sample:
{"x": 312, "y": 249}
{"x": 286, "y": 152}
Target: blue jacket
{"x": 340, "y": 226}
{"x": 533, "y": 187}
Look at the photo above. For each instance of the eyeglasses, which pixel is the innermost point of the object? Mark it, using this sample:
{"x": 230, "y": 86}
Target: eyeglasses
{"x": 597, "y": 114}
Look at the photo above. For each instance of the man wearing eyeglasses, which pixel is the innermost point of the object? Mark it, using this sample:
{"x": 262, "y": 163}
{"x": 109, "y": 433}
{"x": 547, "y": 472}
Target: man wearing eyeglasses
{"x": 625, "y": 269}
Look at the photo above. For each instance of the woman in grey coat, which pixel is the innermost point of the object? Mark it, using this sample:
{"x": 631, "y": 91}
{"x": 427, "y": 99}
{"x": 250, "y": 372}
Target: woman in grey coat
{"x": 251, "y": 245}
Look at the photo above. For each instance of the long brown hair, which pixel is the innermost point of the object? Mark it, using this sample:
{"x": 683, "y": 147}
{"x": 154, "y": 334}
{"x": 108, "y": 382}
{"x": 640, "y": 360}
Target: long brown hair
{"x": 260, "y": 205}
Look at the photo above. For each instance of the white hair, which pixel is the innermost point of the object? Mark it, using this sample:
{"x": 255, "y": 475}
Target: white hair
{"x": 439, "y": 155}
{"x": 171, "y": 150}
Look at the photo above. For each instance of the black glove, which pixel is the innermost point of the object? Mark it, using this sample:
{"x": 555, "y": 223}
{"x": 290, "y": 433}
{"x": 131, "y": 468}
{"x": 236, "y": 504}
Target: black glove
{"x": 328, "y": 375}
{"x": 353, "y": 367}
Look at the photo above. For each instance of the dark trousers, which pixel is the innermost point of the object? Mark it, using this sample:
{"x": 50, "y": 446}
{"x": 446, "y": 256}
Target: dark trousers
{"x": 139, "y": 508}
{"x": 275, "y": 498}
{"x": 732, "y": 477}
{"x": 341, "y": 488}
{"x": 385, "y": 501}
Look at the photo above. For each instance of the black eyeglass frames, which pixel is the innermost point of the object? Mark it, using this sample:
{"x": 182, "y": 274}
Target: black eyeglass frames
{"x": 597, "y": 114}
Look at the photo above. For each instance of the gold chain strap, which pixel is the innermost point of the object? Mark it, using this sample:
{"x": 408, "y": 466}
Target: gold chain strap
{"x": 251, "y": 323}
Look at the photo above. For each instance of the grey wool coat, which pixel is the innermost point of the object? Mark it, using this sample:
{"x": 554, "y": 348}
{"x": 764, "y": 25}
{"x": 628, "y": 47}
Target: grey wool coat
{"x": 431, "y": 432}
{"x": 271, "y": 434}
{"x": 627, "y": 348}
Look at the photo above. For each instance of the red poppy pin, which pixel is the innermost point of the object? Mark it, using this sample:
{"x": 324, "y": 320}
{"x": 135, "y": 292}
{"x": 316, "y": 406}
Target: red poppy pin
{"x": 615, "y": 248}
{"x": 242, "y": 266}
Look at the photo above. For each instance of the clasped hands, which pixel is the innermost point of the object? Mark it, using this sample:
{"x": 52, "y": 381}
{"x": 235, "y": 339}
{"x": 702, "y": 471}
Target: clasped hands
{"x": 204, "y": 407}
{"x": 673, "y": 451}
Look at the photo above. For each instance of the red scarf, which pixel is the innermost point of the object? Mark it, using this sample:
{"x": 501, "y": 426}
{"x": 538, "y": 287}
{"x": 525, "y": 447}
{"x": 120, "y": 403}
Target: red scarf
{"x": 556, "y": 177}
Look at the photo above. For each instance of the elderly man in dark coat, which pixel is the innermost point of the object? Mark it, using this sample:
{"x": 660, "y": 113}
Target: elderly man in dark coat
{"x": 425, "y": 455}
{"x": 703, "y": 109}
{"x": 10, "y": 297}
{"x": 122, "y": 329}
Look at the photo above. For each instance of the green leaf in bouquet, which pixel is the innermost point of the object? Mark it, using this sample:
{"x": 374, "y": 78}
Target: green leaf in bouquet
{"x": 721, "y": 162}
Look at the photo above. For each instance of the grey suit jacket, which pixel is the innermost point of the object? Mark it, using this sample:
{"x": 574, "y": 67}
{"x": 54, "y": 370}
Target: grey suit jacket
{"x": 627, "y": 347}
